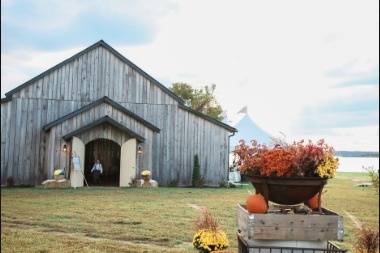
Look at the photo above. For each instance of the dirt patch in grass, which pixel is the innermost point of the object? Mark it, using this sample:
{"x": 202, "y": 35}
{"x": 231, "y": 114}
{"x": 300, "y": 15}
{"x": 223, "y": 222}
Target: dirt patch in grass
{"x": 354, "y": 220}
{"x": 196, "y": 207}
{"x": 123, "y": 222}
{"x": 92, "y": 235}
{"x": 35, "y": 241}
{"x": 54, "y": 230}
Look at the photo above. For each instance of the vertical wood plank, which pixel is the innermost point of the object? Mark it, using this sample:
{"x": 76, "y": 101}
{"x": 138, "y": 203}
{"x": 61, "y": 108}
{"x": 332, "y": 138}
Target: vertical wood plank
{"x": 5, "y": 139}
{"x": 111, "y": 84}
{"x": 19, "y": 138}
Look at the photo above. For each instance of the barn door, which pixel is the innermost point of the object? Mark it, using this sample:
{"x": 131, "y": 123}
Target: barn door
{"x": 77, "y": 157}
{"x": 127, "y": 162}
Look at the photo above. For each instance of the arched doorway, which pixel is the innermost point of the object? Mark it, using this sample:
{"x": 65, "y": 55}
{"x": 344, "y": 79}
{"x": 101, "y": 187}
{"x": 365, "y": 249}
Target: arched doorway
{"x": 108, "y": 152}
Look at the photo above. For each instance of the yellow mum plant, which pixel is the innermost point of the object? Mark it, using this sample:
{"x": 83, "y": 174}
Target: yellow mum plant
{"x": 328, "y": 166}
{"x": 206, "y": 240}
{"x": 209, "y": 237}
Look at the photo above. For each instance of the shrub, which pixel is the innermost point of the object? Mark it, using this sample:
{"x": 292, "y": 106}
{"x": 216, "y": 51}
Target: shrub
{"x": 374, "y": 176}
{"x": 367, "y": 241}
{"x": 10, "y": 182}
{"x": 135, "y": 182}
{"x": 197, "y": 180}
{"x": 173, "y": 183}
{"x": 206, "y": 221}
{"x": 222, "y": 183}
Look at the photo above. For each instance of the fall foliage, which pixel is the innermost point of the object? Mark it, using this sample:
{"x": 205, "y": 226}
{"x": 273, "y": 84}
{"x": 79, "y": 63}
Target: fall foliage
{"x": 297, "y": 159}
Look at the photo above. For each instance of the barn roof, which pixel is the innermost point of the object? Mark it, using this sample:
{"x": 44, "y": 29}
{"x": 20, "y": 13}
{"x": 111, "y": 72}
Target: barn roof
{"x": 106, "y": 100}
{"x": 208, "y": 118}
{"x": 100, "y": 43}
{"x": 6, "y": 99}
{"x": 103, "y": 120}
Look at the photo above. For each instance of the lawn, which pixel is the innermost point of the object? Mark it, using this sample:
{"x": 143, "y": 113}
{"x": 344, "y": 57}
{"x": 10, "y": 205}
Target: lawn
{"x": 146, "y": 220}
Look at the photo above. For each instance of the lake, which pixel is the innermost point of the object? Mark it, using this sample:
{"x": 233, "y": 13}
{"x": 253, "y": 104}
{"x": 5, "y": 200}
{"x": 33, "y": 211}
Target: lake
{"x": 355, "y": 164}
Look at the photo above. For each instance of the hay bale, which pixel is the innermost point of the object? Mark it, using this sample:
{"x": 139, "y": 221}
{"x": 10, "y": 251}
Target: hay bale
{"x": 52, "y": 183}
{"x": 63, "y": 183}
{"x": 59, "y": 177}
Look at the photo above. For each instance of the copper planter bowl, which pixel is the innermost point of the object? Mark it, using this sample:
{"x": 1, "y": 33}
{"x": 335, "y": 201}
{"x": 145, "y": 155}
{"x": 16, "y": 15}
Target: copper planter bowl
{"x": 288, "y": 191}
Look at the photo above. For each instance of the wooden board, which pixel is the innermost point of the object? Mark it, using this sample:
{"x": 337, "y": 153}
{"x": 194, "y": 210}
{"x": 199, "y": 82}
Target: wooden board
{"x": 272, "y": 226}
{"x": 76, "y": 175}
{"x": 128, "y": 162}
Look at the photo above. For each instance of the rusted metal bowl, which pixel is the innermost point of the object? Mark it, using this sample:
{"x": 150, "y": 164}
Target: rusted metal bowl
{"x": 288, "y": 191}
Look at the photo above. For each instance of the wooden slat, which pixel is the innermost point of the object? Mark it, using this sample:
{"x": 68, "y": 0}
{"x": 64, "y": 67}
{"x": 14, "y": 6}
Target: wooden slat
{"x": 84, "y": 81}
{"x": 11, "y": 140}
{"x": 22, "y": 170}
{"x": 44, "y": 88}
{"x": 16, "y": 143}
{"x": 41, "y": 170}
{"x": 102, "y": 71}
{"x": 69, "y": 81}
{"x": 112, "y": 85}
{"x": 57, "y": 84}
{"x": 65, "y": 86}
{"x": 303, "y": 227}
{"x": 90, "y": 76}
{"x": 95, "y": 84}
{"x": 37, "y": 114}
{"x": 25, "y": 146}
{"x": 107, "y": 73}
{"x": 5, "y": 139}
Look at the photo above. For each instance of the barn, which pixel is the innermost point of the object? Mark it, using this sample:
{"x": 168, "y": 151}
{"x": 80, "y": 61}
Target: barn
{"x": 99, "y": 105}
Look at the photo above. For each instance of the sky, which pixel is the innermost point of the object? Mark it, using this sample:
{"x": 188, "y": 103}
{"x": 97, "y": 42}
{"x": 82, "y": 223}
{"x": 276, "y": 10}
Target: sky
{"x": 307, "y": 69}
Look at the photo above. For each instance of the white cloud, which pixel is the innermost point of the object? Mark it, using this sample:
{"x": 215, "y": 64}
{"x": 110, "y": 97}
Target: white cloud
{"x": 43, "y": 15}
{"x": 273, "y": 56}
{"x": 273, "y": 59}
{"x": 50, "y": 15}
{"x": 18, "y": 66}
{"x": 349, "y": 138}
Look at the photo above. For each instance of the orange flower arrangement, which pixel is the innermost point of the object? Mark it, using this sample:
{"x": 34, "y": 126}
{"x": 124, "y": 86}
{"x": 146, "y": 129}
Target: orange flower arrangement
{"x": 298, "y": 159}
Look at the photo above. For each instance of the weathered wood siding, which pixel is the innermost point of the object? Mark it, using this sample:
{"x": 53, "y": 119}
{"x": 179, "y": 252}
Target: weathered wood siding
{"x": 182, "y": 136}
{"x": 26, "y": 149}
{"x": 93, "y": 75}
{"x": 5, "y": 138}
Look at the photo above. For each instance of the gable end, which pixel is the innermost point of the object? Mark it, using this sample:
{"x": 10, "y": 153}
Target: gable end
{"x": 103, "y": 44}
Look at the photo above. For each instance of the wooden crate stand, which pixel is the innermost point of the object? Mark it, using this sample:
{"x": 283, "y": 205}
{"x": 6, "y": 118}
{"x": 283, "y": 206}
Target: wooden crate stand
{"x": 289, "y": 227}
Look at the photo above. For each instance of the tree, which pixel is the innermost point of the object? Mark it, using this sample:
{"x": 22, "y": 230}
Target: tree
{"x": 202, "y": 100}
{"x": 196, "y": 180}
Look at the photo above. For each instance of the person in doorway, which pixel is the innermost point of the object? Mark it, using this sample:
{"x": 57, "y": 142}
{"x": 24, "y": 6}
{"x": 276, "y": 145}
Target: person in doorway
{"x": 96, "y": 171}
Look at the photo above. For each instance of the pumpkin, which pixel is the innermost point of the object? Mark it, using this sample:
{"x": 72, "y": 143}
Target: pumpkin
{"x": 256, "y": 204}
{"x": 313, "y": 202}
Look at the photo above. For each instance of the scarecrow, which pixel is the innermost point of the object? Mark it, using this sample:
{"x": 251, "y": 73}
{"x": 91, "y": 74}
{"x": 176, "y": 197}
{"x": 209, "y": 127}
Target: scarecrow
{"x": 146, "y": 181}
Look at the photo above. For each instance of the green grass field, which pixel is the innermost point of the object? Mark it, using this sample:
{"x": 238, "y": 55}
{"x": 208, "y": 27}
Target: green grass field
{"x": 146, "y": 220}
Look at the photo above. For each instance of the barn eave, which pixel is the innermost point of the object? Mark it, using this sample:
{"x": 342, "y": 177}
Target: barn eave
{"x": 208, "y": 118}
{"x": 106, "y": 100}
{"x": 6, "y": 99}
{"x": 104, "y": 120}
